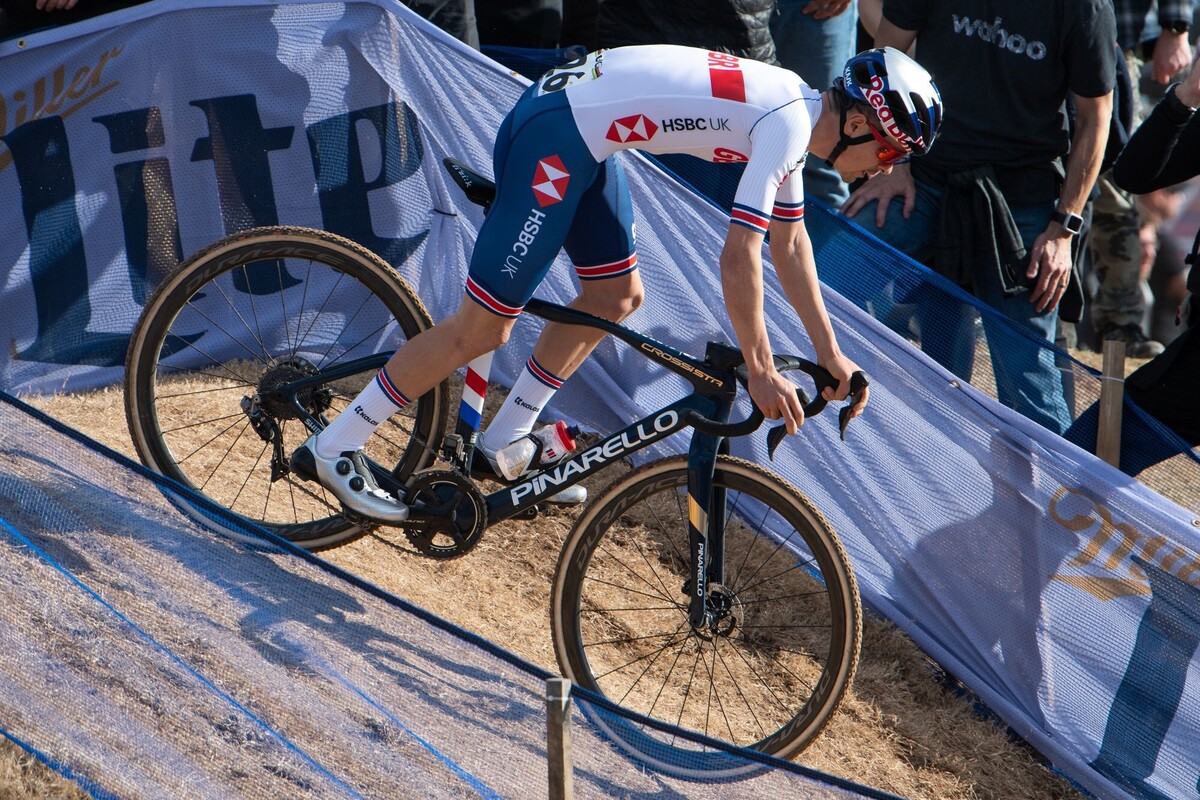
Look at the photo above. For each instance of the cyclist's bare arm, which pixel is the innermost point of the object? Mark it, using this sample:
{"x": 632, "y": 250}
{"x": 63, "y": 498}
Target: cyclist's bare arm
{"x": 742, "y": 282}
{"x": 796, "y": 266}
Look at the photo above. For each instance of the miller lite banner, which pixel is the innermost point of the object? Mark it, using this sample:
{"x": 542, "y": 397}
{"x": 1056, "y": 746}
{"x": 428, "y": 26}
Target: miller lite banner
{"x": 1061, "y": 591}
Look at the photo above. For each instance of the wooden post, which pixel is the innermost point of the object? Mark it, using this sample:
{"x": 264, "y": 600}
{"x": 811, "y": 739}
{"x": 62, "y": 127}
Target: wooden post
{"x": 1112, "y": 402}
{"x": 558, "y": 739}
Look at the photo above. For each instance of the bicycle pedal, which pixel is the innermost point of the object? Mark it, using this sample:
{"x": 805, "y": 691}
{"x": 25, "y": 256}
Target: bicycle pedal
{"x": 365, "y": 523}
{"x": 530, "y": 513}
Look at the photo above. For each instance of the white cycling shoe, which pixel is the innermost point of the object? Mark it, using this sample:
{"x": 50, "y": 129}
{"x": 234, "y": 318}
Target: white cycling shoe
{"x": 571, "y": 496}
{"x": 349, "y": 479}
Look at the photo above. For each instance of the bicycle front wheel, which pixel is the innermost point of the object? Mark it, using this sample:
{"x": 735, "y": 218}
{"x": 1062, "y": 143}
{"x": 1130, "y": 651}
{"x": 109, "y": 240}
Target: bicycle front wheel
{"x": 250, "y": 312}
{"x": 771, "y": 669}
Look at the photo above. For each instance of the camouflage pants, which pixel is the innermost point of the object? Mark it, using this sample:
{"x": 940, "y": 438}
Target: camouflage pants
{"x": 1115, "y": 250}
{"x": 1116, "y": 257}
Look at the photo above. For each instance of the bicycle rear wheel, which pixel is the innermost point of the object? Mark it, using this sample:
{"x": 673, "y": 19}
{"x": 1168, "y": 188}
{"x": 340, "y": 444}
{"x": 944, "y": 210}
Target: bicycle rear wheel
{"x": 773, "y": 670}
{"x": 256, "y": 309}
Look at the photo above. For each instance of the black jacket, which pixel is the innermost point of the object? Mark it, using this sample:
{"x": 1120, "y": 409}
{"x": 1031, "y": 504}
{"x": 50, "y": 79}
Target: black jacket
{"x": 740, "y": 27}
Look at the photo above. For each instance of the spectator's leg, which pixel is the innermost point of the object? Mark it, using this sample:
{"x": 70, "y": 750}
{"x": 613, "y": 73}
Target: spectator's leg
{"x": 1028, "y": 378}
{"x": 816, "y": 50}
{"x": 947, "y": 324}
{"x": 1119, "y": 306}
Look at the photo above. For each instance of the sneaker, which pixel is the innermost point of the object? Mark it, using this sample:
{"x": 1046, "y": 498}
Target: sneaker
{"x": 571, "y": 496}
{"x": 349, "y": 479}
{"x": 1137, "y": 345}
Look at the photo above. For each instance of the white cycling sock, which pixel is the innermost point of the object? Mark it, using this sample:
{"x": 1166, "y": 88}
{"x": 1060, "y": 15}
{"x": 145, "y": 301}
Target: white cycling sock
{"x": 350, "y": 430}
{"x": 533, "y": 390}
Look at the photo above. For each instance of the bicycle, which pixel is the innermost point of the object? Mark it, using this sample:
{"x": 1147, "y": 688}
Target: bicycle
{"x": 693, "y": 567}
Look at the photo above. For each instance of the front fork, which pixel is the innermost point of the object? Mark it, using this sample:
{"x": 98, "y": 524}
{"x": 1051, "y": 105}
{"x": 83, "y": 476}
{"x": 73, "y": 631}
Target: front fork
{"x": 706, "y": 528}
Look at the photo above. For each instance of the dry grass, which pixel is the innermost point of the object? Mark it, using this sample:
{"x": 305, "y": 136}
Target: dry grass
{"x": 899, "y": 730}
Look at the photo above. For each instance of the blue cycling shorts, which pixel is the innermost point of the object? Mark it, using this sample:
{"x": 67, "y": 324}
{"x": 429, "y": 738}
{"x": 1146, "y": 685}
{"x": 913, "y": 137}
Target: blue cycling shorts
{"x": 551, "y": 194}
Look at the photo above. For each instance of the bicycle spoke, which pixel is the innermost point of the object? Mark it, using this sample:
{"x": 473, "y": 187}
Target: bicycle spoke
{"x": 767, "y": 665}
{"x": 243, "y": 317}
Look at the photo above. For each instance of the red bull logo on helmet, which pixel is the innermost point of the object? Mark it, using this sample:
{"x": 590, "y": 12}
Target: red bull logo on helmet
{"x": 874, "y": 95}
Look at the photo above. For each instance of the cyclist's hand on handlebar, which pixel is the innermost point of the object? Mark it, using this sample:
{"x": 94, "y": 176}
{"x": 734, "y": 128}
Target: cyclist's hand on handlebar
{"x": 776, "y": 397}
{"x": 843, "y": 369}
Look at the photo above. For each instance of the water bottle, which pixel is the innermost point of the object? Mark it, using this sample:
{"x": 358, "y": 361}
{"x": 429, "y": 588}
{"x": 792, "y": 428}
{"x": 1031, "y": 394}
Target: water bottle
{"x": 547, "y": 445}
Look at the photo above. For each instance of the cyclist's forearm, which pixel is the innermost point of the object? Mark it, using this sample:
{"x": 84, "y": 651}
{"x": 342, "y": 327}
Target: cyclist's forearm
{"x": 742, "y": 286}
{"x": 797, "y": 270}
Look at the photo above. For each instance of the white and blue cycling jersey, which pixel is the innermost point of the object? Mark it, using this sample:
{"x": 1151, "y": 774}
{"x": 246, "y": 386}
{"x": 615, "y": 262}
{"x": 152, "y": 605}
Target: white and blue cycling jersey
{"x": 557, "y": 186}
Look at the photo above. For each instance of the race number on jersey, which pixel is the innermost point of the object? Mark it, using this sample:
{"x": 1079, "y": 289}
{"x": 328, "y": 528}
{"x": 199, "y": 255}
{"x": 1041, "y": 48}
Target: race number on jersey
{"x": 584, "y": 68}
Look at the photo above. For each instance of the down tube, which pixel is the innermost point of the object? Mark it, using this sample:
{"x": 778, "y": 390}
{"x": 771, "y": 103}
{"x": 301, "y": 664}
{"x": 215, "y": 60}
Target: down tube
{"x": 515, "y": 498}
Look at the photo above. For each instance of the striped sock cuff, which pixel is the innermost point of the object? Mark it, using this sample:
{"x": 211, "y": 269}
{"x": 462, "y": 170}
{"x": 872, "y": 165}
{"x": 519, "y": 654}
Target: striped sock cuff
{"x": 543, "y": 374}
{"x": 389, "y": 388}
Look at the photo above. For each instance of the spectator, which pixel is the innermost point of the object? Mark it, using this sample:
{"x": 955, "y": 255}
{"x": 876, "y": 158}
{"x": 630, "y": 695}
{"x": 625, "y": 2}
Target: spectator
{"x": 455, "y": 17}
{"x": 25, "y": 16}
{"x": 535, "y": 24}
{"x": 1002, "y": 145}
{"x": 739, "y": 27}
{"x": 1119, "y": 310}
{"x": 1163, "y": 151}
{"x": 1162, "y": 260}
{"x": 579, "y": 23}
{"x": 813, "y": 38}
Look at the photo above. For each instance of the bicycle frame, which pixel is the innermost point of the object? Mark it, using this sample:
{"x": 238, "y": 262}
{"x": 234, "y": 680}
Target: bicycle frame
{"x": 714, "y": 383}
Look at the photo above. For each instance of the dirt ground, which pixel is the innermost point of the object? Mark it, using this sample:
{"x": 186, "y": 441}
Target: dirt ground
{"x": 901, "y": 729}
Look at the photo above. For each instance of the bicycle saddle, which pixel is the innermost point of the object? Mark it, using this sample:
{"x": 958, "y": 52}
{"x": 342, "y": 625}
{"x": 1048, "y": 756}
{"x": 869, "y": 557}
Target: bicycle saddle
{"x": 478, "y": 189}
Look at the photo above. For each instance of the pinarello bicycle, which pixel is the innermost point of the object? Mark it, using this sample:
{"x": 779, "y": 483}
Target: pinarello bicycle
{"x": 700, "y": 590}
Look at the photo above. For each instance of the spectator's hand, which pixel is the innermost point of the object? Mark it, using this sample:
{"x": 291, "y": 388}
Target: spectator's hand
{"x": 1189, "y": 88}
{"x": 1172, "y": 55}
{"x": 1148, "y": 239}
{"x": 1050, "y": 263}
{"x": 826, "y": 9}
{"x": 55, "y": 5}
{"x": 842, "y": 368}
{"x": 883, "y": 187}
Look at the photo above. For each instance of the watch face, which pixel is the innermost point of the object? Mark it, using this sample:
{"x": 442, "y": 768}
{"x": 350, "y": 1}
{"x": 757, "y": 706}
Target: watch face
{"x": 1072, "y": 222}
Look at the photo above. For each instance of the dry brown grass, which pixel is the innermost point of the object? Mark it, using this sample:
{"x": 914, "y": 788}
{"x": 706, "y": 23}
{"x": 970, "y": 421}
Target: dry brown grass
{"x": 899, "y": 730}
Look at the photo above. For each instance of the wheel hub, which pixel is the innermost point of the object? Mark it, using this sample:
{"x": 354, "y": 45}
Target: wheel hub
{"x": 726, "y": 615}
{"x": 282, "y": 371}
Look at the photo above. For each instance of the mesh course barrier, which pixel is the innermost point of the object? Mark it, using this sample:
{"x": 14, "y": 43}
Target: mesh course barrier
{"x": 155, "y": 646}
{"x": 1059, "y": 589}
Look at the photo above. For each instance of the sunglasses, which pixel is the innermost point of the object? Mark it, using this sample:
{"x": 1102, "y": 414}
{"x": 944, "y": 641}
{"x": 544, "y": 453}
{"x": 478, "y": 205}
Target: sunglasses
{"x": 887, "y": 154}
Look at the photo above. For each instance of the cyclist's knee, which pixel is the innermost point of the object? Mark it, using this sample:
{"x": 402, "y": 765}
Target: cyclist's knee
{"x": 614, "y": 299}
{"x": 476, "y": 331}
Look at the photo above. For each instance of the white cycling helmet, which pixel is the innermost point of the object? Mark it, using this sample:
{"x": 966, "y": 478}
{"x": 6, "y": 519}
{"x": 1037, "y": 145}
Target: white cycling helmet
{"x": 906, "y": 101}
{"x": 905, "y": 98}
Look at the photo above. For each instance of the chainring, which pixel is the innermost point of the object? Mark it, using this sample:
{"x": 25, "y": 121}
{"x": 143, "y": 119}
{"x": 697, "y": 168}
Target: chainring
{"x": 448, "y": 514}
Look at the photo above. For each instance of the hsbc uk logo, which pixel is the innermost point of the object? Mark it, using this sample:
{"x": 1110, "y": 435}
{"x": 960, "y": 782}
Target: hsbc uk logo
{"x": 550, "y": 181}
{"x": 697, "y": 124}
{"x": 638, "y": 128}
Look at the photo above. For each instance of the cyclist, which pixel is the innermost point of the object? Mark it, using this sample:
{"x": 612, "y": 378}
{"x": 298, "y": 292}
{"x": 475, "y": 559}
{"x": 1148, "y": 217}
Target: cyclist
{"x": 558, "y": 186}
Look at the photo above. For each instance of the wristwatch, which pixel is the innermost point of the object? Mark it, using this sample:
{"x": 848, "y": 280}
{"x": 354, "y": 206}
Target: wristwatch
{"x": 1072, "y": 222}
{"x": 1176, "y": 26}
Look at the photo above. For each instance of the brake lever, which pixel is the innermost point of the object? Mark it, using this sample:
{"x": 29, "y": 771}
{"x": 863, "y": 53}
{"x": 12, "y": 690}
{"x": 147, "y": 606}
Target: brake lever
{"x": 775, "y": 435}
{"x": 858, "y": 384}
